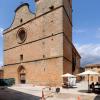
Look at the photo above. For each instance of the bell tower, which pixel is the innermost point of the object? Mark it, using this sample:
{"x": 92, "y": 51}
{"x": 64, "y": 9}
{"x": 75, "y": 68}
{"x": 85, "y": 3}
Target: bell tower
{"x": 41, "y": 43}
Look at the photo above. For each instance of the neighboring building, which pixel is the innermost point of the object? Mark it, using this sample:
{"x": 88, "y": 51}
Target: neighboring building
{"x": 96, "y": 68}
{"x": 1, "y": 73}
{"x": 82, "y": 69}
{"x": 38, "y": 47}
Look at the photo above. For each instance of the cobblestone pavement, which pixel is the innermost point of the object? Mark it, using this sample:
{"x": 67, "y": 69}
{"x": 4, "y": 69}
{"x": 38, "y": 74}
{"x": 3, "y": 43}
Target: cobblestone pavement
{"x": 9, "y": 94}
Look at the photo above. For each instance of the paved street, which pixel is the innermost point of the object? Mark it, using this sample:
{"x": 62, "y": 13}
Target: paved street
{"x": 65, "y": 94}
{"x": 26, "y": 92}
{"x": 9, "y": 94}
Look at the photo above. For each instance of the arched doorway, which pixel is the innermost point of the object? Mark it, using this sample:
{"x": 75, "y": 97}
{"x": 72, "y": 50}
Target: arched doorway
{"x": 21, "y": 75}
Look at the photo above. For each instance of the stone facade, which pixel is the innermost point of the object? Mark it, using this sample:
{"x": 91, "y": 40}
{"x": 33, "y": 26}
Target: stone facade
{"x": 96, "y": 68}
{"x": 38, "y": 47}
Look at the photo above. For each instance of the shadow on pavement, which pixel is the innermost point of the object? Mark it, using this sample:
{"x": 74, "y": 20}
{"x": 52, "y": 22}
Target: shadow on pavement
{"x": 97, "y": 97}
{"x": 9, "y": 94}
{"x": 84, "y": 91}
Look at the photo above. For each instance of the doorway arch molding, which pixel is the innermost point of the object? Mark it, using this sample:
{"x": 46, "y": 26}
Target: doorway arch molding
{"x": 22, "y": 74}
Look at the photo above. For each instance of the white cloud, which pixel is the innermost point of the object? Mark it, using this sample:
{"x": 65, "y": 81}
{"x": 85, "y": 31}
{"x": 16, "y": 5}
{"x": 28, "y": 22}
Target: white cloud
{"x": 1, "y": 31}
{"x": 90, "y": 53}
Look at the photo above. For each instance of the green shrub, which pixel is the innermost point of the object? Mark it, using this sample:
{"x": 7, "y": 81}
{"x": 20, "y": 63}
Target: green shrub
{"x": 7, "y": 82}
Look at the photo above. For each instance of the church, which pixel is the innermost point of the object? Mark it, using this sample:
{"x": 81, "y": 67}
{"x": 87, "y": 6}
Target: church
{"x": 38, "y": 47}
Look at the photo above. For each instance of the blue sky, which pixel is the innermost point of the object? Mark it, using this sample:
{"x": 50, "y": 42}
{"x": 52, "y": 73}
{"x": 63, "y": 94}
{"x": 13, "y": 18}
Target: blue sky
{"x": 86, "y": 26}
{"x": 86, "y": 30}
{"x": 86, "y": 21}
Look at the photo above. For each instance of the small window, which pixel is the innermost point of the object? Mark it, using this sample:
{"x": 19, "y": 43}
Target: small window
{"x": 43, "y": 56}
{"x": 21, "y": 20}
{"x": 44, "y": 69}
{"x": 51, "y": 7}
{"x": 21, "y": 57}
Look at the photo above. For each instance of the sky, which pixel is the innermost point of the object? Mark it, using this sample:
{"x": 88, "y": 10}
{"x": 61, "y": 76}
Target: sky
{"x": 86, "y": 26}
{"x": 86, "y": 30}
